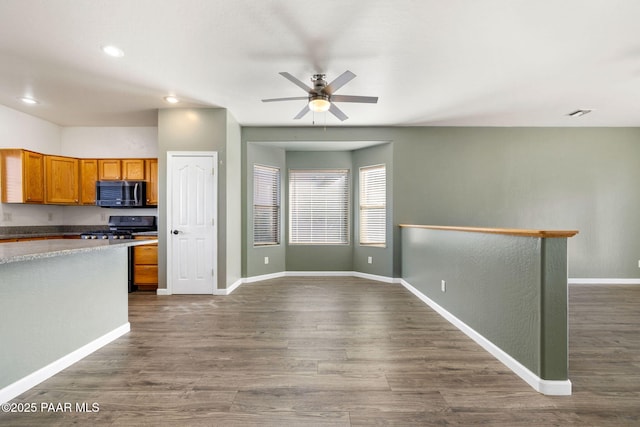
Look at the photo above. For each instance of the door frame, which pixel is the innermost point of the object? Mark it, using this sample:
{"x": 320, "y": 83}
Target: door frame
{"x": 170, "y": 163}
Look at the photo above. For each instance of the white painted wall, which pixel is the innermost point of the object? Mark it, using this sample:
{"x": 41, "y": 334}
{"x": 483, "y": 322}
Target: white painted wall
{"x": 105, "y": 142}
{"x": 19, "y": 130}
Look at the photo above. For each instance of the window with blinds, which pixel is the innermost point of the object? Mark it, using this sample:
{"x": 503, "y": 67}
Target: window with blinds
{"x": 319, "y": 207}
{"x": 373, "y": 205}
{"x": 266, "y": 205}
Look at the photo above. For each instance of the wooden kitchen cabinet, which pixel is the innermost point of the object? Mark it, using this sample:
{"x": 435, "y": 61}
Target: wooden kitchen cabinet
{"x": 133, "y": 169}
{"x": 30, "y": 177}
{"x": 117, "y": 169}
{"x": 151, "y": 166}
{"x": 21, "y": 176}
{"x": 109, "y": 169}
{"x": 145, "y": 265}
{"x": 61, "y": 182}
{"x": 88, "y": 178}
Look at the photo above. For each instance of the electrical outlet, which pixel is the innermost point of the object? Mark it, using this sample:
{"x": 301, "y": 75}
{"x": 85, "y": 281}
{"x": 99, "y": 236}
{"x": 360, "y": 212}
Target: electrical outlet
{"x": 50, "y": 216}
{"x": 639, "y": 263}
{"x": 6, "y": 216}
{"x": 103, "y": 217}
{"x": 370, "y": 260}
{"x": 443, "y": 286}
{"x": 266, "y": 260}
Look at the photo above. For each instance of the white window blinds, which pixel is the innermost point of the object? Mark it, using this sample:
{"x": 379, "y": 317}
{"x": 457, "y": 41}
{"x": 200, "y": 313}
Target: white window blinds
{"x": 373, "y": 205}
{"x": 266, "y": 205}
{"x": 319, "y": 206}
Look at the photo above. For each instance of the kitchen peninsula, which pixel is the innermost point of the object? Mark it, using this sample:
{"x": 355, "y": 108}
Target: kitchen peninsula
{"x": 60, "y": 300}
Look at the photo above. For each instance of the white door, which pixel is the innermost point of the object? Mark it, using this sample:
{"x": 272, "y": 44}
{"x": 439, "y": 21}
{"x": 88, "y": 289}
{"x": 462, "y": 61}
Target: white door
{"x": 191, "y": 217}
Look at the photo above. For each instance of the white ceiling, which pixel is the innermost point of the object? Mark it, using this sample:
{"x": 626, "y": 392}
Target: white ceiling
{"x": 431, "y": 62}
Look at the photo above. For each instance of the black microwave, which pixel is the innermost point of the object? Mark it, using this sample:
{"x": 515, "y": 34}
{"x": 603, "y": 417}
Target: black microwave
{"x": 121, "y": 194}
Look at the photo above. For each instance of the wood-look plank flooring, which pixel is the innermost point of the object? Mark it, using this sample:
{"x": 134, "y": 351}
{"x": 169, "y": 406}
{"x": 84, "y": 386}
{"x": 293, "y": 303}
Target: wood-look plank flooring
{"x": 338, "y": 352}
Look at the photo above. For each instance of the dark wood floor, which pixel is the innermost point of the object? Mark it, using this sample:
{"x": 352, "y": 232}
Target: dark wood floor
{"x": 338, "y": 352}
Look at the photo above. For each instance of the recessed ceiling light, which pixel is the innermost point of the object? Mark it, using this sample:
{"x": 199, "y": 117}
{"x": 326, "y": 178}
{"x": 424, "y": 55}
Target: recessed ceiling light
{"x": 171, "y": 99}
{"x": 113, "y": 51}
{"x": 28, "y": 100}
{"x": 579, "y": 113}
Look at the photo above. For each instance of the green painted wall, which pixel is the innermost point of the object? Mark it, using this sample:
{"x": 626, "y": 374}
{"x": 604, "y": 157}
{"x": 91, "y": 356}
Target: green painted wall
{"x": 319, "y": 257}
{"x": 234, "y": 202}
{"x": 254, "y": 256}
{"x": 511, "y": 290}
{"x": 554, "y": 178}
{"x": 204, "y": 129}
{"x": 53, "y": 306}
{"x": 382, "y": 258}
{"x": 582, "y": 179}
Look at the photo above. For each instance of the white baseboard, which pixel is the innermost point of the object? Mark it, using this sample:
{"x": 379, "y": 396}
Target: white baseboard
{"x": 262, "y": 277}
{"x": 578, "y": 281}
{"x": 319, "y": 273}
{"x": 280, "y": 274}
{"x": 375, "y": 277}
{"x": 228, "y": 290}
{"x": 17, "y": 388}
{"x": 548, "y": 387}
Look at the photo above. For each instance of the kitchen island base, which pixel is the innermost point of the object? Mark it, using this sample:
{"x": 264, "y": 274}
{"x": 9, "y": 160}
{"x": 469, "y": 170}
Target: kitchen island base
{"x": 58, "y": 309}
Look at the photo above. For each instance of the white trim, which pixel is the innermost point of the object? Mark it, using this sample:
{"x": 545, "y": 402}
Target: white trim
{"x": 280, "y": 274}
{"x": 549, "y": 387}
{"x": 163, "y": 291}
{"x": 375, "y": 277}
{"x": 263, "y": 277}
{"x": 46, "y": 372}
{"x": 228, "y": 290}
{"x": 319, "y": 273}
{"x": 579, "y": 281}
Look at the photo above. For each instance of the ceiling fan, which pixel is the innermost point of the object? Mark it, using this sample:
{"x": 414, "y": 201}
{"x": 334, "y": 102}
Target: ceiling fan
{"x": 321, "y": 97}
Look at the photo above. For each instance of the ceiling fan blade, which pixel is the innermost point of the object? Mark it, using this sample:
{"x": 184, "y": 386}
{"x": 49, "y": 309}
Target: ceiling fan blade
{"x": 352, "y": 98}
{"x": 338, "y": 112}
{"x": 301, "y": 114}
{"x": 340, "y": 81}
{"x": 295, "y": 81}
{"x": 294, "y": 98}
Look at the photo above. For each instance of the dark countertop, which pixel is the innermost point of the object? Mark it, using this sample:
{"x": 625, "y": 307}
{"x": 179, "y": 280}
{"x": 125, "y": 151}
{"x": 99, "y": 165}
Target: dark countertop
{"x": 20, "y": 232}
{"x": 26, "y": 232}
{"x": 37, "y": 249}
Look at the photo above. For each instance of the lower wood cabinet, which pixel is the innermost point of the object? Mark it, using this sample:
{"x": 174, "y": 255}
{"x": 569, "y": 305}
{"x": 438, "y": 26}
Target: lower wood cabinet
{"x": 145, "y": 265}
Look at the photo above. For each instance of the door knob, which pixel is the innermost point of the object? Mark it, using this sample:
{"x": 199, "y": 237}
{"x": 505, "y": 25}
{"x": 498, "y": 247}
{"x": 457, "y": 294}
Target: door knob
{"x": 176, "y": 231}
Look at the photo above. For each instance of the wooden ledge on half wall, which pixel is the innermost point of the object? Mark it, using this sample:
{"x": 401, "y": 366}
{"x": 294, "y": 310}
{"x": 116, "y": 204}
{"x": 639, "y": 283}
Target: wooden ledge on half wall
{"x": 505, "y": 231}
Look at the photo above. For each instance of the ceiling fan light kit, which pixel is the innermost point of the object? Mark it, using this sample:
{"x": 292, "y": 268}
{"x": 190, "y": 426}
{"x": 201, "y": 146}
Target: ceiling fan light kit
{"x": 319, "y": 103}
{"x": 321, "y": 97}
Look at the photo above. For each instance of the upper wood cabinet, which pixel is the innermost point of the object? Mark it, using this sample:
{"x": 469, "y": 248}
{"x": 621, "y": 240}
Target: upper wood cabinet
{"x": 88, "y": 178}
{"x": 30, "y": 177}
{"x": 151, "y": 166}
{"x": 21, "y": 176}
{"x": 133, "y": 169}
{"x": 109, "y": 169}
{"x": 61, "y": 180}
{"x": 117, "y": 169}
